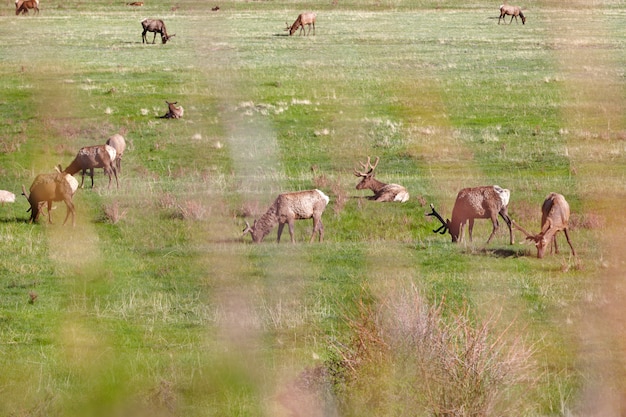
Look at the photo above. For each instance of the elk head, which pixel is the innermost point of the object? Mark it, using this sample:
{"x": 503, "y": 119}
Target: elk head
{"x": 368, "y": 177}
{"x": 257, "y": 235}
{"x": 445, "y": 224}
{"x": 541, "y": 242}
{"x": 165, "y": 38}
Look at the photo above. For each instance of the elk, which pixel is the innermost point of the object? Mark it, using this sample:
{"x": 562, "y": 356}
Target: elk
{"x": 382, "y": 192}
{"x": 303, "y": 19}
{"x": 554, "y": 218}
{"x": 286, "y": 209}
{"x": 173, "y": 112}
{"x": 135, "y": 3}
{"x": 512, "y": 11}
{"x": 486, "y": 202}
{"x": 22, "y": 6}
{"x": 155, "y": 26}
{"x": 90, "y": 157}
{"x": 47, "y": 188}
{"x": 119, "y": 144}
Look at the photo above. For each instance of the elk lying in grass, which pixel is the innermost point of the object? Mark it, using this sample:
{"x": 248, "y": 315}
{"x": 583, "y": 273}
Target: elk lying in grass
{"x": 118, "y": 143}
{"x": 554, "y": 218}
{"x": 303, "y": 19}
{"x": 155, "y": 26}
{"x": 512, "y": 11}
{"x": 288, "y": 208}
{"x": 486, "y": 202}
{"x": 173, "y": 112}
{"x": 22, "y": 6}
{"x": 382, "y": 191}
{"x": 47, "y": 188}
{"x": 91, "y": 157}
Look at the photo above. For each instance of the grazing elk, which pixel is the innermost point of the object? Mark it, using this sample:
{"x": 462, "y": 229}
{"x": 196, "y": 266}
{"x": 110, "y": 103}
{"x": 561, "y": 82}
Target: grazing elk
{"x": 118, "y": 143}
{"x": 288, "y": 208}
{"x": 90, "y": 157}
{"x": 173, "y": 112}
{"x": 22, "y": 6}
{"x": 512, "y": 11}
{"x": 554, "y": 218}
{"x": 382, "y": 192}
{"x": 135, "y": 3}
{"x": 47, "y": 188}
{"x": 155, "y": 26}
{"x": 303, "y": 19}
{"x": 486, "y": 202}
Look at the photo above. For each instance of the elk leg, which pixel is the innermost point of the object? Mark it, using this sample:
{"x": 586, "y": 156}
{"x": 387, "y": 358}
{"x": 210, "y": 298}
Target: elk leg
{"x": 291, "y": 232}
{"x": 569, "y": 241}
{"x": 91, "y": 175}
{"x": 280, "y": 231}
{"x": 70, "y": 210}
{"x": 494, "y": 220}
{"x": 509, "y": 223}
{"x": 470, "y": 228}
{"x": 50, "y": 211}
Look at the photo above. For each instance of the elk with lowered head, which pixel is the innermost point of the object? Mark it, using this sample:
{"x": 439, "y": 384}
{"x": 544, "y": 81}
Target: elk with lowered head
{"x": 554, "y": 218}
{"x": 287, "y": 208}
{"x": 304, "y": 19}
{"x": 173, "y": 111}
{"x": 155, "y": 26}
{"x": 486, "y": 202}
{"x": 512, "y": 11}
{"x": 90, "y": 157}
{"x": 47, "y": 188}
{"x": 118, "y": 143}
{"x": 382, "y": 191}
{"x": 22, "y": 6}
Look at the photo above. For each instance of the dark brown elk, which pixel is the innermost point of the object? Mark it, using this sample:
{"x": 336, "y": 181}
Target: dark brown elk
{"x": 554, "y": 218}
{"x": 286, "y": 209}
{"x": 382, "y": 192}
{"x": 173, "y": 111}
{"x": 118, "y": 143}
{"x": 47, "y": 188}
{"x": 90, "y": 157}
{"x": 512, "y": 11}
{"x": 135, "y": 3}
{"x": 486, "y": 202}
{"x": 304, "y": 19}
{"x": 22, "y": 6}
{"x": 155, "y": 26}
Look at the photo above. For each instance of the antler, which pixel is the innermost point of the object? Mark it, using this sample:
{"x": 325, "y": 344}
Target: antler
{"x": 247, "y": 229}
{"x": 529, "y": 236}
{"x": 369, "y": 167}
{"x": 444, "y": 224}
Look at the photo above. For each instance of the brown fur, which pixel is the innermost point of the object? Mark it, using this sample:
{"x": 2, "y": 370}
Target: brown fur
{"x": 382, "y": 191}
{"x": 22, "y": 6}
{"x": 173, "y": 111}
{"x": 118, "y": 143}
{"x": 47, "y": 188}
{"x": 512, "y": 11}
{"x": 485, "y": 202}
{"x": 555, "y": 214}
{"x": 304, "y": 19}
{"x": 286, "y": 209}
{"x": 155, "y": 26}
{"x": 90, "y": 157}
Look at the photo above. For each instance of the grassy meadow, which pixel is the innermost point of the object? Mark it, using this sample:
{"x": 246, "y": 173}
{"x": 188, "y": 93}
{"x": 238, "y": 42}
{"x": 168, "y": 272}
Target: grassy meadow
{"x": 155, "y": 305}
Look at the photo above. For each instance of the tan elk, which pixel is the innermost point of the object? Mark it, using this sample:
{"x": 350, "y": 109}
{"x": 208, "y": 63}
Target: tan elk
{"x": 304, "y": 19}
{"x": 173, "y": 111}
{"x": 382, "y": 192}
{"x": 512, "y": 11}
{"x": 47, "y": 188}
{"x": 90, "y": 157}
{"x": 486, "y": 202}
{"x": 155, "y": 26}
{"x": 286, "y": 209}
{"x": 554, "y": 218}
{"x": 119, "y": 144}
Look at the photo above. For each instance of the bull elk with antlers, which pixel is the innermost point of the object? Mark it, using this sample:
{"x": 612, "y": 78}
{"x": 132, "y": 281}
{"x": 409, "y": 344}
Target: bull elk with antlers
{"x": 486, "y": 202}
{"x": 554, "y": 218}
{"x": 382, "y": 191}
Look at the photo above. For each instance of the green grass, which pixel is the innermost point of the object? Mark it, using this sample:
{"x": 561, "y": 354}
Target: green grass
{"x": 155, "y": 304}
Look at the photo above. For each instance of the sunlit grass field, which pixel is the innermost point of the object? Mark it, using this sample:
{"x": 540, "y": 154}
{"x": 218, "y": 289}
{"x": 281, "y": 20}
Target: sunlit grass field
{"x": 154, "y": 303}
